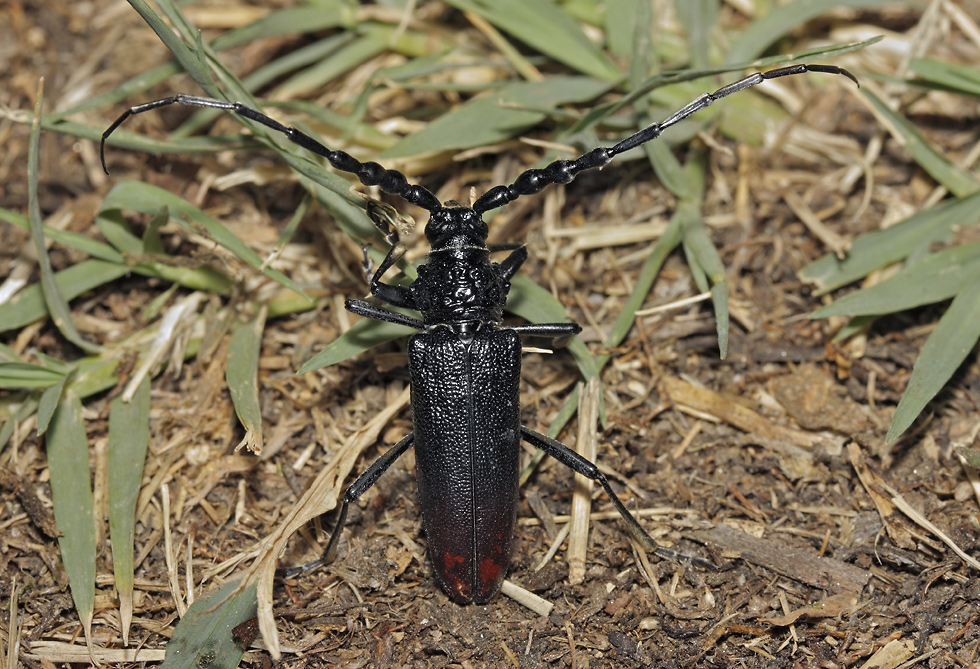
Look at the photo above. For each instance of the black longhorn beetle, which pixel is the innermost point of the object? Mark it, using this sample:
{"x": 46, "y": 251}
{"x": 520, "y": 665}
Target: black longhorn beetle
{"x": 465, "y": 365}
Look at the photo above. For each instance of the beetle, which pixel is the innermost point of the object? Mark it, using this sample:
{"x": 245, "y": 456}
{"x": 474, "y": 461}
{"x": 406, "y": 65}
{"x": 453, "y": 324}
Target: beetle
{"x": 463, "y": 362}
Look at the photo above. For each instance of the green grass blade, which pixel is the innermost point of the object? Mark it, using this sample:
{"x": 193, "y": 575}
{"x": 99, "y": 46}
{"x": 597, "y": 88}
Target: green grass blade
{"x": 959, "y": 181}
{"x": 138, "y": 84}
{"x": 704, "y": 259}
{"x": 71, "y": 492}
{"x": 147, "y": 199}
{"x": 498, "y": 116}
{"x": 374, "y": 40}
{"x": 884, "y": 247}
{"x": 204, "y": 637}
{"x": 763, "y": 32}
{"x": 543, "y": 26}
{"x": 362, "y": 336}
{"x": 644, "y": 284}
{"x": 937, "y": 277}
{"x": 536, "y": 305}
{"x": 242, "y": 376}
{"x": 947, "y": 347}
{"x": 48, "y": 404}
{"x": 190, "y": 61}
{"x": 54, "y": 300}
{"x": 73, "y": 240}
{"x": 24, "y": 375}
{"x": 964, "y": 79}
{"x": 129, "y": 436}
{"x": 698, "y": 18}
{"x": 94, "y": 375}
{"x": 29, "y": 305}
{"x": 289, "y": 21}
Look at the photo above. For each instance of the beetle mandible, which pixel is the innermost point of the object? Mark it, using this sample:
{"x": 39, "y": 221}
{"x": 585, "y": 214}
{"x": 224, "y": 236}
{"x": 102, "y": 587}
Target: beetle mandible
{"x": 464, "y": 363}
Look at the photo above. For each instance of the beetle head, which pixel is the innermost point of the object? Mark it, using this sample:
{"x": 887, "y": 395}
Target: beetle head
{"x": 455, "y": 225}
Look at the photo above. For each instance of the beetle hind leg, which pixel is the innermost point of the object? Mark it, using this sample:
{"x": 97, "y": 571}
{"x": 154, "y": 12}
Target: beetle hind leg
{"x": 356, "y": 489}
{"x": 588, "y": 469}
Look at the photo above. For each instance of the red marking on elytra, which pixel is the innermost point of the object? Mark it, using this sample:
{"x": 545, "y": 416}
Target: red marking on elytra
{"x": 489, "y": 570}
{"x": 452, "y": 560}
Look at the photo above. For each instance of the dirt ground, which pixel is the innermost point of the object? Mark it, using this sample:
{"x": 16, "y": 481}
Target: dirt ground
{"x": 769, "y": 465}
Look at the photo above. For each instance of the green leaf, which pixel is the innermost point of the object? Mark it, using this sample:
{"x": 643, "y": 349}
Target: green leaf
{"x": 71, "y": 493}
{"x": 884, "y": 247}
{"x": 28, "y": 305}
{"x": 765, "y": 31}
{"x": 502, "y": 114}
{"x": 55, "y": 301}
{"x": 204, "y": 637}
{"x": 543, "y": 26}
{"x": 536, "y": 305}
{"x": 937, "y": 277}
{"x": 241, "y": 373}
{"x": 947, "y": 347}
{"x": 362, "y": 336}
{"x": 698, "y": 18}
{"x": 959, "y": 181}
{"x": 129, "y": 436}
{"x": 17, "y": 375}
{"x": 147, "y": 199}
{"x": 963, "y": 79}
{"x": 48, "y": 404}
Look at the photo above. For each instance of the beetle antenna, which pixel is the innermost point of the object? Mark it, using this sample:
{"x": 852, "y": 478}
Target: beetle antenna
{"x": 564, "y": 171}
{"x": 392, "y": 182}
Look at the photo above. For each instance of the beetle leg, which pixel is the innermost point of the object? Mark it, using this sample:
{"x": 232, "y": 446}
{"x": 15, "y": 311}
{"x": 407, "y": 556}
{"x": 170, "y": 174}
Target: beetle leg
{"x": 397, "y": 296}
{"x": 356, "y": 489}
{"x": 580, "y": 465}
{"x": 368, "y": 310}
{"x": 513, "y": 262}
{"x": 559, "y": 331}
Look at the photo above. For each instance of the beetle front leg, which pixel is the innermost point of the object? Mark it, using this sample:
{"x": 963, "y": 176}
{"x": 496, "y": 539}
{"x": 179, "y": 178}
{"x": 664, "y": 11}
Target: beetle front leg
{"x": 356, "y": 489}
{"x": 580, "y": 465}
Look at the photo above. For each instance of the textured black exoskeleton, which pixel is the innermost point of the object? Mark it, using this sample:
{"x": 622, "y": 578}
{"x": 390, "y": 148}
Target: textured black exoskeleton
{"x": 465, "y": 365}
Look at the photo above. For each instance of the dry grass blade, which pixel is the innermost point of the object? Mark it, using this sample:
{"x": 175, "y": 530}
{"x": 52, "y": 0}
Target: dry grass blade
{"x": 586, "y": 445}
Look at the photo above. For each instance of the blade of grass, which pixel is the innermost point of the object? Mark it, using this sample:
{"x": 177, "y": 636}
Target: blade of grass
{"x": 48, "y": 404}
{"x": 963, "y": 79}
{"x": 959, "y": 181}
{"x": 55, "y": 302}
{"x": 147, "y": 199}
{"x": 884, "y": 247}
{"x": 937, "y": 277}
{"x": 373, "y": 41}
{"x": 205, "y": 635}
{"x": 536, "y": 305}
{"x": 73, "y": 240}
{"x": 709, "y": 272}
{"x": 191, "y": 62}
{"x": 543, "y": 26}
{"x": 362, "y": 336}
{"x": 495, "y": 117}
{"x": 945, "y": 350}
{"x": 241, "y": 373}
{"x": 763, "y": 32}
{"x": 71, "y": 493}
{"x": 23, "y": 375}
{"x": 129, "y": 437}
{"x": 698, "y": 18}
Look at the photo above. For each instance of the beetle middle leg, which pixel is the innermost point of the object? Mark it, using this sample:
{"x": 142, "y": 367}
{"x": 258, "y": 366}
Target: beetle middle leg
{"x": 356, "y": 489}
{"x": 586, "y": 468}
